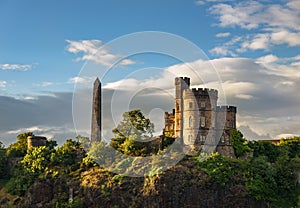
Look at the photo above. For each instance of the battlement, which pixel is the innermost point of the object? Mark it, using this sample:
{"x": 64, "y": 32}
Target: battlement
{"x": 226, "y": 109}
{"x": 167, "y": 114}
{"x": 205, "y": 92}
{"x": 187, "y": 80}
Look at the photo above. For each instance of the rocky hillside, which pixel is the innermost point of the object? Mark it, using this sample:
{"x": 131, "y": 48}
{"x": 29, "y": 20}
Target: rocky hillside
{"x": 184, "y": 185}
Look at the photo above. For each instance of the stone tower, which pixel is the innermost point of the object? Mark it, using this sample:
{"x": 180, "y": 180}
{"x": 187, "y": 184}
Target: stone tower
{"x": 198, "y": 121}
{"x": 181, "y": 84}
{"x": 96, "y": 113}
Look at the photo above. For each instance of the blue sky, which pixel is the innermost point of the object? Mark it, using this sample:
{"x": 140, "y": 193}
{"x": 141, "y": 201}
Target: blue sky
{"x": 255, "y": 45}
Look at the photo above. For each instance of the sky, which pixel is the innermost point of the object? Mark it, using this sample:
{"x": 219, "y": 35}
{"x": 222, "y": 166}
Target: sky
{"x": 47, "y": 47}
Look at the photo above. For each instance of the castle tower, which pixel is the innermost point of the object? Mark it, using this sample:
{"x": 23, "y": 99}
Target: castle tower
{"x": 191, "y": 120}
{"x": 96, "y": 112}
{"x": 181, "y": 84}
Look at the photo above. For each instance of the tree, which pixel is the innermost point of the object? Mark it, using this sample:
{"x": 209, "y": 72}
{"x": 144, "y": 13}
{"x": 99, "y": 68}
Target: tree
{"x": 51, "y": 144}
{"x": 19, "y": 149}
{"x": 84, "y": 141}
{"x": 100, "y": 153}
{"x": 37, "y": 159}
{"x": 267, "y": 149}
{"x": 239, "y": 143}
{"x": 3, "y": 161}
{"x": 134, "y": 123}
{"x": 293, "y": 146}
{"x": 132, "y": 133}
{"x": 68, "y": 154}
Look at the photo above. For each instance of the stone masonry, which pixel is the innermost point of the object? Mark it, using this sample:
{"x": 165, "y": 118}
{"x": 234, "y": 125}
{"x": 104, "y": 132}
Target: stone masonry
{"x": 198, "y": 120}
{"x": 96, "y": 113}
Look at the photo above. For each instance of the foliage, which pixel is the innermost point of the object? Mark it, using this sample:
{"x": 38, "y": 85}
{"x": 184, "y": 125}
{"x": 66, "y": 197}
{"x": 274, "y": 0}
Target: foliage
{"x": 68, "y": 154}
{"x": 219, "y": 168}
{"x": 239, "y": 143}
{"x": 20, "y": 181}
{"x": 19, "y": 149}
{"x": 293, "y": 145}
{"x": 3, "y": 161}
{"x": 271, "y": 175}
{"x": 134, "y": 123}
{"x": 260, "y": 179}
{"x": 37, "y": 159}
{"x": 133, "y": 134}
{"x": 84, "y": 141}
{"x": 167, "y": 141}
{"x": 51, "y": 144}
{"x": 267, "y": 149}
{"x": 100, "y": 153}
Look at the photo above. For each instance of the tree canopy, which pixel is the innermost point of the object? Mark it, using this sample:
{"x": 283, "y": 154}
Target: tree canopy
{"x": 134, "y": 123}
{"x": 19, "y": 149}
{"x": 132, "y": 134}
{"x": 239, "y": 143}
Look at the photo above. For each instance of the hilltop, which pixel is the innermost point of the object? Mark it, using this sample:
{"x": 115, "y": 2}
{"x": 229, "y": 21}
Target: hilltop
{"x": 67, "y": 176}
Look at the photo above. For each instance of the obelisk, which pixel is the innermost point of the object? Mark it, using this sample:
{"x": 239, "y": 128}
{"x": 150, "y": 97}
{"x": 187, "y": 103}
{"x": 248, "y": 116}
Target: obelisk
{"x": 96, "y": 112}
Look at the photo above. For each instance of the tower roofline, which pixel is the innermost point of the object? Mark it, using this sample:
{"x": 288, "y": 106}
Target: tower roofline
{"x": 97, "y": 80}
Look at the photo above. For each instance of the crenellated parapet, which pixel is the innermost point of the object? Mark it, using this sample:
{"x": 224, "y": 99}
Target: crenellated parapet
{"x": 202, "y": 92}
{"x": 187, "y": 80}
{"x": 197, "y": 119}
{"x": 226, "y": 108}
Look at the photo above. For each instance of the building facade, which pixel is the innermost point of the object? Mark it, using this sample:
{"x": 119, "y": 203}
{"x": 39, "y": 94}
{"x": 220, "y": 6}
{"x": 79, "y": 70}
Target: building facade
{"x": 197, "y": 119}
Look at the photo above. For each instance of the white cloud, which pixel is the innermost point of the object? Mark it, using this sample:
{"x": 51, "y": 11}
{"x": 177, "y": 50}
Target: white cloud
{"x": 240, "y": 90}
{"x": 222, "y": 35}
{"x": 244, "y": 96}
{"x": 29, "y": 129}
{"x": 264, "y": 96}
{"x": 3, "y": 84}
{"x": 95, "y": 50}
{"x": 15, "y": 67}
{"x": 267, "y": 59}
{"x": 286, "y": 37}
{"x": 224, "y": 49}
{"x": 260, "y": 41}
{"x": 240, "y": 14}
{"x": 267, "y": 25}
{"x": 221, "y": 50}
{"x": 202, "y": 2}
{"x": 46, "y": 84}
{"x": 81, "y": 80}
{"x": 280, "y": 136}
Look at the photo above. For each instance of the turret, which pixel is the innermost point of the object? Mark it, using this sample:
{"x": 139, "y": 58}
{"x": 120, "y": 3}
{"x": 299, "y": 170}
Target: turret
{"x": 181, "y": 84}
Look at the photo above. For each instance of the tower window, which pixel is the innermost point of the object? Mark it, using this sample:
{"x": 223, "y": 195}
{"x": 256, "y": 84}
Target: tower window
{"x": 202, "y": 121}
{"x": 202, "y": 138}
{"x": 190, "y": 121}
{"x": 190, "y": 104}
{"x": 202, "y": 104}
{"x": 222, "y": 139}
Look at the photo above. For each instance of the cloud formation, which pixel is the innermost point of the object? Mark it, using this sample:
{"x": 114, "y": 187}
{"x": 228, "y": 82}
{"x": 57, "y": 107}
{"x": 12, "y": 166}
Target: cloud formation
{"x": 16, "y": 67}
{"x": 267, "y": 25}
{"x": 96, "y": 51}
{"x": 80, "y": 80}
{"x": 3, "y": 84}
{"x": 264, "y": 93}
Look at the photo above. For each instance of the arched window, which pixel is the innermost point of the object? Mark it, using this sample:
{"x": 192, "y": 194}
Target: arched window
{"x": 190, "y": 121}
{"x": 202, "y": 121}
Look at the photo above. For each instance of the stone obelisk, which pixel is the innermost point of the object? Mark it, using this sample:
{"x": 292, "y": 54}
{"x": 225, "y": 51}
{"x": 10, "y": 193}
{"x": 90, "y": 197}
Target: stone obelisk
{"x": 96, "y": 112}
